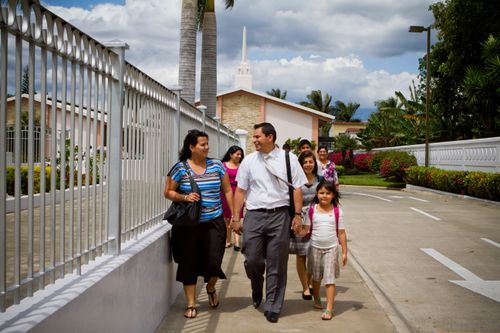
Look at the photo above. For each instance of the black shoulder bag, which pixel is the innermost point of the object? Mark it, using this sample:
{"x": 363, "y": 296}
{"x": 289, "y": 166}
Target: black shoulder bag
{"x": 290, "y": 191}
{"x": 184, "y": 213}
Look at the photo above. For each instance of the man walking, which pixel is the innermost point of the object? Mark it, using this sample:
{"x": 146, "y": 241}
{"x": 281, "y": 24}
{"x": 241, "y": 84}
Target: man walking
{"x": 262, "y": 179}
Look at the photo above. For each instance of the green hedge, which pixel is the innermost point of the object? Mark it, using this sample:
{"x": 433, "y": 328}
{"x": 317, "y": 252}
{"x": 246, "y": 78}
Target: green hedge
{"x": 474, "y": 183}
{"x": 10, "y": 179}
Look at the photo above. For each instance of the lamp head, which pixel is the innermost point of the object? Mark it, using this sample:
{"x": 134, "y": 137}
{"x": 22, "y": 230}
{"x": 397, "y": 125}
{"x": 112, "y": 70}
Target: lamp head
{"x": 417, "y": 28}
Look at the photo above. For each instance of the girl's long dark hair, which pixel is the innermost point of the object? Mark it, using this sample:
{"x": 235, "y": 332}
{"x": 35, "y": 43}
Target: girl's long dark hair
{"x": 231, "y": 151}
{"x": 191, "y": 139}
{"x": 330, "y": 187}
{"x": 306, "y": 154}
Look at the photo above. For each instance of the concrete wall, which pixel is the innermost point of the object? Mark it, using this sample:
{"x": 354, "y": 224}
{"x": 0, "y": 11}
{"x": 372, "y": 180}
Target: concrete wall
{"x": 468, "y": 155}
{"x": 289, "y": 124}
{"x": 131, "y": 292}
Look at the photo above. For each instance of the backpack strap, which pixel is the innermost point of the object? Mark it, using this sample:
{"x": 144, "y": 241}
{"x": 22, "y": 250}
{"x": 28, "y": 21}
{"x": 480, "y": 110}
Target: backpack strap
{"x": 310, "y": 212}
{"x": 336, "y": 212}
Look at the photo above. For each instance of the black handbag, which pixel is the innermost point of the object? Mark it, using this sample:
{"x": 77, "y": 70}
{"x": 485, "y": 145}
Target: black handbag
{"x": 184, "y": 213}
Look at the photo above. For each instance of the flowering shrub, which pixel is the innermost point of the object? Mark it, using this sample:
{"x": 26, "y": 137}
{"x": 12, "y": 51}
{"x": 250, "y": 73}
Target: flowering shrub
{"x": 395, "y": 165}
{"x": 335, "y": 158}
{"x": 479, "y": 184}
{"x": 363, "y": 162}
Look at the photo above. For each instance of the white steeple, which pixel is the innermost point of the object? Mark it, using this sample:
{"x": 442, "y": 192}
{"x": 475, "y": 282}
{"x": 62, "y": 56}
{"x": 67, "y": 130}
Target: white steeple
{"x": 243, "y": 78}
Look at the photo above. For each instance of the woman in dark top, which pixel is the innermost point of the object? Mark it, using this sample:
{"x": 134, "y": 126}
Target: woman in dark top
{"x": 199, "y": 249}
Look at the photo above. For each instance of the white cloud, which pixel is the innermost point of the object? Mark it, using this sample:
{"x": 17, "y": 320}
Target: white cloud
{"x": 295, "y": 45}
{"x": 345, "y": 78}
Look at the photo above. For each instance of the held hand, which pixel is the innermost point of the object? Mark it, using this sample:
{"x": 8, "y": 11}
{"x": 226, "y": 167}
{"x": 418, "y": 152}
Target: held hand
{"x": 297, "y": 224}
{"x": 237, "y": 227}
{"x": 192, "y": 197}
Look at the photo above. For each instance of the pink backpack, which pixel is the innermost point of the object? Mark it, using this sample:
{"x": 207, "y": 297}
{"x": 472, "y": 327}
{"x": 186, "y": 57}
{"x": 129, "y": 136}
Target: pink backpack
{"x": 310, "y": 212}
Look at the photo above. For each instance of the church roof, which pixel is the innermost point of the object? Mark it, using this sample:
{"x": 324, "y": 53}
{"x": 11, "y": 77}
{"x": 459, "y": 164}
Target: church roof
{"x": 279, "y": 101}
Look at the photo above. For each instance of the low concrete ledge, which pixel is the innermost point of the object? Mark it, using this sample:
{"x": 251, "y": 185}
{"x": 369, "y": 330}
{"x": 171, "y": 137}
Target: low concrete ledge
{"x": 126, "y": 293}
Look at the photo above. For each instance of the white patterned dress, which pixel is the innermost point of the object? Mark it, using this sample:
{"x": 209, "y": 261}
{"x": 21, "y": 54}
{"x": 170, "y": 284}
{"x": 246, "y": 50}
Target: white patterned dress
{"x": 298, "y": 245}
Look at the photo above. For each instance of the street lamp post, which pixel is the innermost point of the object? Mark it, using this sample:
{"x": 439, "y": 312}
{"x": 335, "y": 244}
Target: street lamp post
{"x": 416, "y": 28}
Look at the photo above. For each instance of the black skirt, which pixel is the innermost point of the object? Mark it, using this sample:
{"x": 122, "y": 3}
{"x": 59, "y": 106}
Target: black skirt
{"x": 199, "y": 250}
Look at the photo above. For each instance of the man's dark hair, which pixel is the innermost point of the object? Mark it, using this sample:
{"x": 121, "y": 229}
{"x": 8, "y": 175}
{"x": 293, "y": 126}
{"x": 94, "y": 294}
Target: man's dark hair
{"x": 267, "y": 129}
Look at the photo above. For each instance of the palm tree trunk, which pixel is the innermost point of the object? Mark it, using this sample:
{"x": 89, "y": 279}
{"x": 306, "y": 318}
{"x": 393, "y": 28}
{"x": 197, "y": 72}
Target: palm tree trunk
{"x": 208, "y": 83}
{"x": 187, "y": 50}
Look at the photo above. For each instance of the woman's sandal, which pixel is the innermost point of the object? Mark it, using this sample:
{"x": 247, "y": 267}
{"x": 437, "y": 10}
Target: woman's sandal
{"x": 317, "y": 304}
{"x": 327, "y": 315}
{"x": 211, "y": 298}
{"x": 191, "y": 312}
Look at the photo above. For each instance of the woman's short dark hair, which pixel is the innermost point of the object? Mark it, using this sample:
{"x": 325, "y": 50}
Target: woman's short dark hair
{"x": 323, "y": 147}
{"x": 191, "y": 139}
{"x": 304, "y": 142}
{"x": 306, "y": 154}
{"x": 267, "y": 129}
{"x": 330, "y": 187}
{"x": 231, "y": 151}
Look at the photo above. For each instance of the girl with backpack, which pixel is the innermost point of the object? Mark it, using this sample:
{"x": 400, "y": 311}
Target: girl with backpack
{"x": 327, "y": 232}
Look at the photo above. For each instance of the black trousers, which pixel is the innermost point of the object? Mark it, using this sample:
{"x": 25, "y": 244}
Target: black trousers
{"x": 198, "y": 250}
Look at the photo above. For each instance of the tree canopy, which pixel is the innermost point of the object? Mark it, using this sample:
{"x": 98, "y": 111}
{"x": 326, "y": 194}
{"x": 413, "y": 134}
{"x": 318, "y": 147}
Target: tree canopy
{"x": 464, "y": 69}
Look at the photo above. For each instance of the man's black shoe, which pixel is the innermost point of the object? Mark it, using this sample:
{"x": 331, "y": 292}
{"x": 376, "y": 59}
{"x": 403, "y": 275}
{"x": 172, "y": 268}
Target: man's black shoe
{"x": 256, "y": 299}
{"x": 271, "y": 317}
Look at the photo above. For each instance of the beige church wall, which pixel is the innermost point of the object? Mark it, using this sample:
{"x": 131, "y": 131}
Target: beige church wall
{"x": 289, "y": 123}
{"x": 241, "y": 111}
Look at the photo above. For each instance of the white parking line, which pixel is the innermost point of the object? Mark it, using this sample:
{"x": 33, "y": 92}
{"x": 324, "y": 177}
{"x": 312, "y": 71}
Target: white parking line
{"x": 371, "y": 196}
{"x": 426, "y": 214}
{"x": 418, "y": 199}
{"x": 491, "y": 242}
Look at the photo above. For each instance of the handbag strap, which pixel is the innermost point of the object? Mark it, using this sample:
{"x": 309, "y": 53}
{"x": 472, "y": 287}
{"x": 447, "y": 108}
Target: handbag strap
{"x": 194, "y": 186}
{"x": 289, "y": 176}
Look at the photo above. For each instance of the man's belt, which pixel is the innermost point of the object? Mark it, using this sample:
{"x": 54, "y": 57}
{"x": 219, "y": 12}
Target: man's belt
{"x": 269, "y": 210}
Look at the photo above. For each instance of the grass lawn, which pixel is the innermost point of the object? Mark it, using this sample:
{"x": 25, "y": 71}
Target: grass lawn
{"x": 368, "y": 179}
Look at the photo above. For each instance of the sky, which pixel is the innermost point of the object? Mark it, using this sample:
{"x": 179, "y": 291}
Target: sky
{"x": 354, "y": 50}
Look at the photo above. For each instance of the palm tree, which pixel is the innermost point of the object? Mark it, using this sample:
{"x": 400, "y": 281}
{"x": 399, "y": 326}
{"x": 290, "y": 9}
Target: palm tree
{"x": 315, "y": 101}
{"x": 345, "y": 112}
{"x": 208, "y": 26}
{"x": 187, "y": 50}
{"x": 346, "y": 144}
{"x": 277, "y": 93}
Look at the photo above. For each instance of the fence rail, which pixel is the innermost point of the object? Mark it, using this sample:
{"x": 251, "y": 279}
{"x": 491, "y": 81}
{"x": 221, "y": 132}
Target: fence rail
{"x": 101, "y": 183}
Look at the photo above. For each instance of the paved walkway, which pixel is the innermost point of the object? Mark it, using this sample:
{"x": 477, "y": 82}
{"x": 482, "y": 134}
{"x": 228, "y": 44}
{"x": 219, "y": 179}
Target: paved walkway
{"x": 356, "y": 309}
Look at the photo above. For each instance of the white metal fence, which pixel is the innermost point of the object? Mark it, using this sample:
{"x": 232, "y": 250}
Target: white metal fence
{"x": 104, "y": 184}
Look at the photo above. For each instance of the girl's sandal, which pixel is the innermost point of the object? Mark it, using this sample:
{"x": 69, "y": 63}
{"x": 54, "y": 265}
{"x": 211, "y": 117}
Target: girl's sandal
{"x": 191, "y": 312}
{"x": 327, "y": 315}
{"x": 211, "y": 298}
{"x": 317, "y": 304}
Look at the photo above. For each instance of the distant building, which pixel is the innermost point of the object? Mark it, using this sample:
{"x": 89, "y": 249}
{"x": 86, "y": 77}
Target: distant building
{"x": 59, "y": 129}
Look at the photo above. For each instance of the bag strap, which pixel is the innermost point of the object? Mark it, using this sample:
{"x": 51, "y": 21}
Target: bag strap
{"x": 194, "y": 186}
{"x": 289, "y": 176}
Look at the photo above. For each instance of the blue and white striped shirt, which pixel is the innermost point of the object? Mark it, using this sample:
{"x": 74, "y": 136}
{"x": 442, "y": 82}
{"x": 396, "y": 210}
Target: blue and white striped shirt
{"x": 209, "y": 183}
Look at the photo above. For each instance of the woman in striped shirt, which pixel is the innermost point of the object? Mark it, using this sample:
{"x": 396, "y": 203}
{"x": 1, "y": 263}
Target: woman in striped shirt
{"x": 199, "y": 249}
